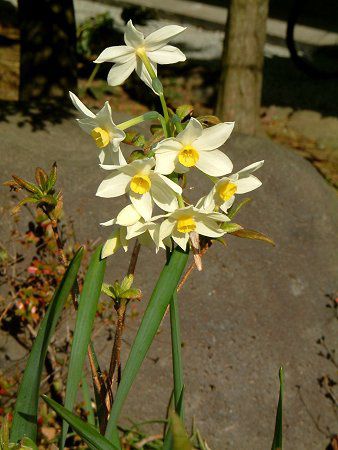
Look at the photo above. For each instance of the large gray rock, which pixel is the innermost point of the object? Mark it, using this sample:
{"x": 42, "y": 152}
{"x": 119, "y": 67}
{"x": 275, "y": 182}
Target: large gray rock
{"x": 252, "y": 309}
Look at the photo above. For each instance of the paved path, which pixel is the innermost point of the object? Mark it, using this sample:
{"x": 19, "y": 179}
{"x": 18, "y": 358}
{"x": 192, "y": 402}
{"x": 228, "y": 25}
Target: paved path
{"x": 212, "y": 19}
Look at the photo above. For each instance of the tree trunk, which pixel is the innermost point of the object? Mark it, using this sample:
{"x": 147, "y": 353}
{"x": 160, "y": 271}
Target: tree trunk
{"x": 239, "y": 95}
{"x": 48, "y": 49}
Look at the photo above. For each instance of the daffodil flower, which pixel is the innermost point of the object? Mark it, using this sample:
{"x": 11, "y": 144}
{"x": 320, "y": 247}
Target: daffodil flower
{"x": 116, "y": 241}
{"x": 144, "y": 186}
{"x": 195, "y": 147}
{"x": 180, "y": 223}
{"x": 128, "y": 225}
{"x": 131, "y": 56}
{"x": 223, "y": 193}
{"x": 102, "y": 129}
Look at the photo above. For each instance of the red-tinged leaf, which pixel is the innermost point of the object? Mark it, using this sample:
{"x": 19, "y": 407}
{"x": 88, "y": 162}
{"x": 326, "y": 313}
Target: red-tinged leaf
{"x": 184, "y": 110}
{"x": 252, "y": 234}
{"x": 209, "y": 121}
{"x": 41, "y": 177}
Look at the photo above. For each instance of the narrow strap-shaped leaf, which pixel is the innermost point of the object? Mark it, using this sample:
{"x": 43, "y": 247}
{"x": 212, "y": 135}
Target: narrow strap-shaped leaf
{"x": 176, "y": 346}
{"x": 160, "y": 299}
{"x": 26, "y": 407}
{"x": 168, "y": 437}
{"x": 83, "y": 328}
{"x": 87, "y": 401}
{"x": 180, "y": 437}
{"x": 89, "y": 434}
{"x": 277, "y": 443}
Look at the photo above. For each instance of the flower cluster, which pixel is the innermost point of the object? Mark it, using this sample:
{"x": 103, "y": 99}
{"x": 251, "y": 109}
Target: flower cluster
{"x": 155, "y": 179}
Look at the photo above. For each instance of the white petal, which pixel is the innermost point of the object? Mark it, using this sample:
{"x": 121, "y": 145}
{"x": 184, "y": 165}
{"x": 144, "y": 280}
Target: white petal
{"x": 87, "y": 124}
{"x": 154, "y": 233}
{"x": 163, "y": 195}
{"x": 167, "y": 55}
{"x": 209, "y": 228}
{"x": 133, "y": 37}
{"x": 166, "y": 155}
{"x": 111, "y": 166}
{"x": 181, "y": 239}
{"x": 219, "y": 217}
{"x": 214, "y": 163}
{"x": 215, "y": 136}
{"x": 111, "y": 156}
{"x": 123, "y": 238}
{"x": 143, "y": 73}
{"x": 168, "y": 145}
{"x": 80, "y": 106}
{"x": 207, "y": 203}
{"x": 143, "y": 166}
{"x": 160, "y": 37}
{"x": 174, "y": 186}
{"x": 249, "y": 169}
{"x": 226, "y": 205}
{"x": 112, "y": 244}
{"x": 179, "y": 168}
{"x": 120, "y": 72}
{"x": 166, "y": 228}
{"x": 247, "y": 184}
{"x": 118, "y": 54}
{"x": 113, "y": 186}
{"x": 109, "y": 223}
{"x": 104, "y": 117}
{"x": 191, "y": 132}
{"x": 136, "y": 229}
{"x": 128, "y": 216}
{"x": 143, "y": 204}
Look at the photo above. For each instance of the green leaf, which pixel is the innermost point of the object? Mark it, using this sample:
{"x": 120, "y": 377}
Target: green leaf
{"x": 127, "y": 282}
{"x": 83, "y": 328}
{"x": 176, "y": 351}
{"x": 252, "y": 234}
{"x": 48, "y": 199}
{"x": 134, "y": 138}
{"x": 209, "y": 120}
{"x": 107, "y": 289}
{"x": 184, "y": 110}
{"x": 180, "y": 437}
{"x": 132, "y": 294}
{"x": 277, "y": 443}
{"x": 30, "y": 187}
{"x": 23, "y": 202}
{"x": 231, "y": 227}
{"x": 4, "y": 434}
{"x": 87, "y": 401}
{"x": 235, "y": 208}
{"x": 88, "y": 433}
{"x": 52, "y": 177}
{"x": 27, "y": 444}
{"x": 41, "y": 177}
{"x": 26, "y": 407}
{"x": 160, "y": 299}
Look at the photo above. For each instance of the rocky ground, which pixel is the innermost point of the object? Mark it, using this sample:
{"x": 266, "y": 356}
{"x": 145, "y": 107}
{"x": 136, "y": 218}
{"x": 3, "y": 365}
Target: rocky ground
{"x": 253, "y": 308}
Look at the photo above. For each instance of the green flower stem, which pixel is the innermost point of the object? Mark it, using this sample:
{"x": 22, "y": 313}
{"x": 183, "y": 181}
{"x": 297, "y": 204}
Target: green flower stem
{"x": 151, "y": 115}
{"x": 92, "y": 76}
{"x": 156, "y": 83}
{"x": 213, "y": 179}
{"x": 160, "y": 299}
{"x": 176, "y": 345}
{"x": 180, "y": 201}
{"x": 177, "y": 122}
